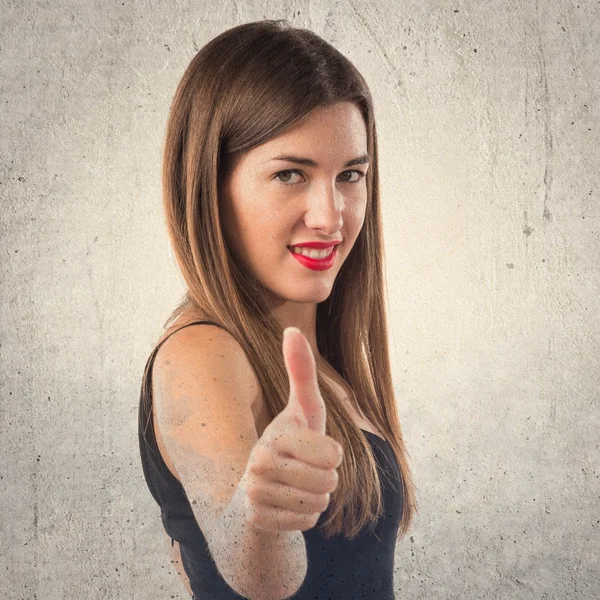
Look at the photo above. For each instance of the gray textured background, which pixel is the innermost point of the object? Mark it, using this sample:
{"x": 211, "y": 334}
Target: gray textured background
{"x": 488, "y": 121}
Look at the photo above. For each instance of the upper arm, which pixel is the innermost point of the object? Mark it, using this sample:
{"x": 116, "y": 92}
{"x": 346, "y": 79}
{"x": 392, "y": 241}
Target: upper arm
{"x": 204, "y": 389}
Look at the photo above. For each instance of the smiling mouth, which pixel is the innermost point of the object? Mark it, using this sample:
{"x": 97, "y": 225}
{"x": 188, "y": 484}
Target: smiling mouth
{"x": 319, "y": 254}
{"x": 316, "y": 264}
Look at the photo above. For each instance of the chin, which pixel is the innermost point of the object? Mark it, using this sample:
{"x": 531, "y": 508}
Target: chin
{"x": 312, "y": 298}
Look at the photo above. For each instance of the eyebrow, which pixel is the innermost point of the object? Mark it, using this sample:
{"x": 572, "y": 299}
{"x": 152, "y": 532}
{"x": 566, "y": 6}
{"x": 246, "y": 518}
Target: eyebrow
{"x": 311, "y": 163}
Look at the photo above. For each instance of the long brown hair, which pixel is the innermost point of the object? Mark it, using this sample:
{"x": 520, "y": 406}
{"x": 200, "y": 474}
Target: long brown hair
{"x": 244, "y": 87}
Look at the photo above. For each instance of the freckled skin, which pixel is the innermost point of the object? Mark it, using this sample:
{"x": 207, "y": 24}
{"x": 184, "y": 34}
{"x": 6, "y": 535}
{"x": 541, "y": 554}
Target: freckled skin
{"x": 262, "y": 216}
{"x": 175, "y": 560}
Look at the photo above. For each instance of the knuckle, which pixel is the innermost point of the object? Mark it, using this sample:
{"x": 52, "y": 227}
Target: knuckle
{"x": 252, "y": 492}
{"x": 256, "y": 466}
{"x": 262, "y": 464}
{"x": 334, "y": 480}
{"x": 338, "y": 452}
{"x": 250, "y": 505}
{"x": 251, "y": 515}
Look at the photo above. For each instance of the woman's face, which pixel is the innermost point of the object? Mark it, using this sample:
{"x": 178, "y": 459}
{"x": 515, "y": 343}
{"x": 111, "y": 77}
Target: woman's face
{"x": 268, "y": 205}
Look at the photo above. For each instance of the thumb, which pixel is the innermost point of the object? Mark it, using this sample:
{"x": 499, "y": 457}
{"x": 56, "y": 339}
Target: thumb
{"x": 305, "y": 402}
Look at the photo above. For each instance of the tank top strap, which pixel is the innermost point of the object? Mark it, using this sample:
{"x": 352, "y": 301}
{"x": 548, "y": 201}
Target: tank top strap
{"x": 145, "y": 405}
{"x": 157, "y": 347}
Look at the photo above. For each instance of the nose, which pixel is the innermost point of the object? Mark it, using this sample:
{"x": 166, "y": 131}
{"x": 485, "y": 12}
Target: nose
{"x": 324, "y": 212}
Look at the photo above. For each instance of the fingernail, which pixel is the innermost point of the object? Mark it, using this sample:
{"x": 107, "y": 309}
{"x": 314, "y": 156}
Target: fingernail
{"x": 287, "y": 330}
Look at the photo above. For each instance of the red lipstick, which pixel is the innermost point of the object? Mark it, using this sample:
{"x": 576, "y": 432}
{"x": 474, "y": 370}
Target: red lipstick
{"x": 316, "y": 264}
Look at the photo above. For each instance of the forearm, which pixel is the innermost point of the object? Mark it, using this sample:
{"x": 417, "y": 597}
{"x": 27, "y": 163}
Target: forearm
{"x": 257, "y": 564}
{"x": 175, "y": 556}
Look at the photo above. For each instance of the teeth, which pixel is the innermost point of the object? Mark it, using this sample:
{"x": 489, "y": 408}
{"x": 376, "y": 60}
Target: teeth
{"x": 311, "y": 253}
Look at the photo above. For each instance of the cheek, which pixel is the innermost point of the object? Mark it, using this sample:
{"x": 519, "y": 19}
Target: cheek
{"x": 355, "y": 218}
{"x": 262, "y": 234}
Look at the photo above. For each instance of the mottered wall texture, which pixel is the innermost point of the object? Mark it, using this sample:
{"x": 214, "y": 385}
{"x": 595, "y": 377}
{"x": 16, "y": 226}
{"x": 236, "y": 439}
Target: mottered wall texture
{"x": 488, "y": 129}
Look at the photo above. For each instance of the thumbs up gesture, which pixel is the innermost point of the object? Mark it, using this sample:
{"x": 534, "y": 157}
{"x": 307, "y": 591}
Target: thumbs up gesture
{"x": 292, "y": 469}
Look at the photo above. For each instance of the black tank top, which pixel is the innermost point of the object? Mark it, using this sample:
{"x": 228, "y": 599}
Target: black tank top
{"x": 338, "y": 569}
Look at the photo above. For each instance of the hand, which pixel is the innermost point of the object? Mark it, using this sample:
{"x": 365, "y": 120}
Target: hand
{"x": 292, "y": 470}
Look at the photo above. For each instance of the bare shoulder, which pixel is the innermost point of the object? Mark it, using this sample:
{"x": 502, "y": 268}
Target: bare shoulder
{"x": 208, "y": 345}
{"x": 203, "y": 393}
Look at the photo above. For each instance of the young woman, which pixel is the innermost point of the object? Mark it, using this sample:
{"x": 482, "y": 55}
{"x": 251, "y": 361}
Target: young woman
{"x": 279, "y": 466}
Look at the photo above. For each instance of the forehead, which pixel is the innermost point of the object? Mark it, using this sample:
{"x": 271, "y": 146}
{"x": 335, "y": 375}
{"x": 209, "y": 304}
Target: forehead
{"x": 333, "y": 133}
